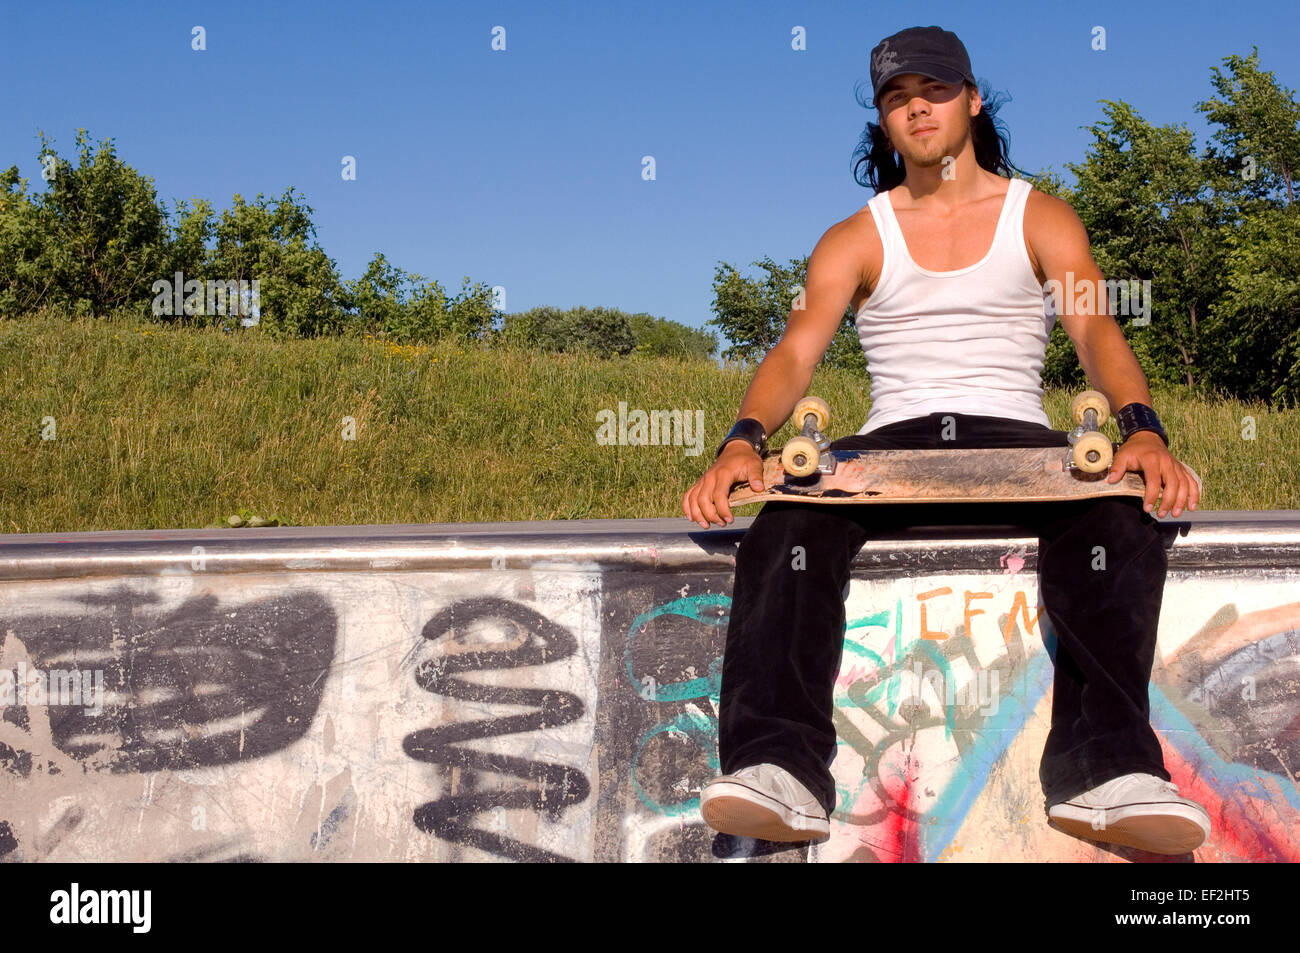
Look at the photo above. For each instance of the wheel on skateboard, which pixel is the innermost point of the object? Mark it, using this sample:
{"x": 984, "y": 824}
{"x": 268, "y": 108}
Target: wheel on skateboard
{"x": 815, "y": 406}
{"x": 1092, "y": 450}
{"x": 801, "y": 455}
{"x": 1090, "y": 400}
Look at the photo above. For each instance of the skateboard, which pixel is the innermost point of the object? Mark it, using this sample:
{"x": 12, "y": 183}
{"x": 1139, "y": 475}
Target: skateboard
{"x": 807, "y": 469}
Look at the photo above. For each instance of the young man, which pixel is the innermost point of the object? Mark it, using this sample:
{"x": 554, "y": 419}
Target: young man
{"x": 945, "y": 270}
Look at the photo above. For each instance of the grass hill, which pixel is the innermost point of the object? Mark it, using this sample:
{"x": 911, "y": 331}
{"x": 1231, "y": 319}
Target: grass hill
{"x": 125, "y": 424}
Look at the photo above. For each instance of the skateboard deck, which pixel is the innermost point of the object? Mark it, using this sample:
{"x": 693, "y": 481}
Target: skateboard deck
{"x": 1035, "y": 474}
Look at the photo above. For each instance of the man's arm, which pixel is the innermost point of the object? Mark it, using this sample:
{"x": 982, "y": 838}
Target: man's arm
{"x": 835, "y": 271}
{"x": 1060, "y": 243}
{"x": 782, "y": 379}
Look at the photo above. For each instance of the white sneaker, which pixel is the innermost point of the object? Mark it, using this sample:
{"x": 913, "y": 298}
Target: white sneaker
{"x": 1135, "y": 810}
{"x": 764, "y": 802}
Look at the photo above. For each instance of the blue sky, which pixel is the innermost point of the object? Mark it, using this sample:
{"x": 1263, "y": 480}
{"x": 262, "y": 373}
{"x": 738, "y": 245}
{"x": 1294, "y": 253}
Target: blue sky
{"x": 523, "y": 168}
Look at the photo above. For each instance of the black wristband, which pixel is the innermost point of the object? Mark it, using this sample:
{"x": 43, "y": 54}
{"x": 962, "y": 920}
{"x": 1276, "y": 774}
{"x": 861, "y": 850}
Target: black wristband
{"x": 748, "y": 430}
{"x": 1136, "y": 417}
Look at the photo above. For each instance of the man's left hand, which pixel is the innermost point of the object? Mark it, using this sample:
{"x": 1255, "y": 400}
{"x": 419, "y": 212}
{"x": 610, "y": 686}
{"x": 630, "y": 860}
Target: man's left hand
{"x": 1166, "y": 477}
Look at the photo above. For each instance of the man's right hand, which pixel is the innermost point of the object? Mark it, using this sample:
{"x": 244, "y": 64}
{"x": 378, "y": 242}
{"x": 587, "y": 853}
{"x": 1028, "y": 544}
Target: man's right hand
{"x": 706, "y": 501}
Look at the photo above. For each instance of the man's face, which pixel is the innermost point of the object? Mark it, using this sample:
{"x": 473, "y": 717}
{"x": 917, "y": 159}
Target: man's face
{"x": 910, "y": 103}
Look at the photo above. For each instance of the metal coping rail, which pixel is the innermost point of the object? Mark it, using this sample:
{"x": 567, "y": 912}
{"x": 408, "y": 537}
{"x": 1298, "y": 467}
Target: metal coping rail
{"x": 1222, "y": 541}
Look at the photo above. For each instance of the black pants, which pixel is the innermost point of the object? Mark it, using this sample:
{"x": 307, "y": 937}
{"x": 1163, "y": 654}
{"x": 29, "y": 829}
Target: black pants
{"x": 778, "y": 674}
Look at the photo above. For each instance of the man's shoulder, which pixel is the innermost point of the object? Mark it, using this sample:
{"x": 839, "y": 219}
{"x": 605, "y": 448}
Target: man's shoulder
{"x": 1047, "y": 208}
{"x": 857, "y": 239}
{"x": 857, "y": 231}
{"x": 1051, "y": 223}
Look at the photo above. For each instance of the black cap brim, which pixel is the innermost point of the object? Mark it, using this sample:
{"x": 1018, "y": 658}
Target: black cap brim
{"x": 944, "y": 74}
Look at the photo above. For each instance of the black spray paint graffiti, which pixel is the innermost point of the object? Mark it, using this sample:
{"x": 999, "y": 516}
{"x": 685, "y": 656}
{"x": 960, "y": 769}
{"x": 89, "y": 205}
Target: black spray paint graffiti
{"x": 1235, "y": 679}
{"x": 551, "y": 787}
{"x": 209, "y": 683}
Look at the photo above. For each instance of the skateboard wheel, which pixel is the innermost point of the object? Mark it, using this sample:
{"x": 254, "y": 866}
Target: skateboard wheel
{"x": 811, "y": 405}
{"x": 1090, "y": 400}
{"x": 800, "y": 456}
{"x": 1093, "y": 452}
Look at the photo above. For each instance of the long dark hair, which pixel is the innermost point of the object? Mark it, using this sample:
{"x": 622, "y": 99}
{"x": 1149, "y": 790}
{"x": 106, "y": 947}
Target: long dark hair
{"x": 884, "y": 170}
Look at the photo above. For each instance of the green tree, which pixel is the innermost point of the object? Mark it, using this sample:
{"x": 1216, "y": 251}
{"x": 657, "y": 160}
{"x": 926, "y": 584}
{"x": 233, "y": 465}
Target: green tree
{"x": 471, "y": 315}
{"x": 605, "y": 332}
{"x": 274, "y": 243}
{"x": 104, "y": 234}
{"x": 378, "y": 300}
{"x": 1257, "y": 319}
{"x": 1260, "y": 131}
{"x": 752, "y": 313}
{"x": 1153, "y": 213}
{"x": 400, "y": 306}
{"x": 521, "y": 329}
{"x": 664, "y": 338}
{"x": 1215, "y": 233}
{"x": 192, "y": 230}
{"x": 25, "y": 284}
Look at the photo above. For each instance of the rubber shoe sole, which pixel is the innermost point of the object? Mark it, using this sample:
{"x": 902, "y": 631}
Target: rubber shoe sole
{"x": 730, "y": 807}
{"x": 1158, "y": 827}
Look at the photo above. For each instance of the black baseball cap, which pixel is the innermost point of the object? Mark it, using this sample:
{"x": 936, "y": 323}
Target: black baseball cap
{"x": 928, "y": 50}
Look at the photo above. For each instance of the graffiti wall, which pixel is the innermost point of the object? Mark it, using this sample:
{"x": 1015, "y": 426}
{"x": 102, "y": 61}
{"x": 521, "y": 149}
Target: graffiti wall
{"x": 566, "y": 715}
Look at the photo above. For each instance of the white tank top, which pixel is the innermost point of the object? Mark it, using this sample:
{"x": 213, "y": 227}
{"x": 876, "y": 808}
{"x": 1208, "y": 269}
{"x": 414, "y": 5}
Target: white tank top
{"x": 970, "y": 341}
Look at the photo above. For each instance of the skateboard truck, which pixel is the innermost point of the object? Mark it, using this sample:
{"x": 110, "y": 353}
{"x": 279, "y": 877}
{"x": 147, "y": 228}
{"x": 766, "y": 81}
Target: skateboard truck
{"x": 1090, "y": 450}
{"x": 809, "y": 453}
